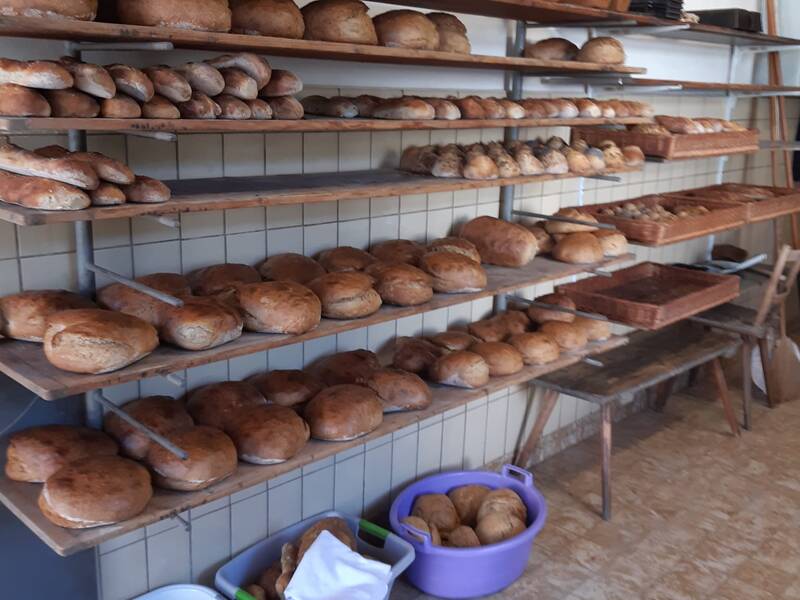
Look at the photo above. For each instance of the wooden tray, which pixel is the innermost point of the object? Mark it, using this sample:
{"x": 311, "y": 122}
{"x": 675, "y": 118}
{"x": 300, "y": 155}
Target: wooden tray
{"x": 676, "y": 146}
{"x": 785, "y": 202}
{"x": 651, "y": 295}
{"x": 723, "y": 215}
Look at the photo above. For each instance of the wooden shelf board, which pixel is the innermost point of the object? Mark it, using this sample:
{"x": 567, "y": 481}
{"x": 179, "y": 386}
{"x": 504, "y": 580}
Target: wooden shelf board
{"x": 711, "y": 86}
{"x": 711, "y": 153}
{"x": 197, "y": 195}
{"x": 21, "y": 498}
{"x": 200, "y": 40}
{"x": 25, "y": 363}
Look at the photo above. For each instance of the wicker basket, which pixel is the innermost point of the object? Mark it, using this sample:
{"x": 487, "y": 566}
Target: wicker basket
{"x": 723, "y": 215}
{"x": 651, "y": 295}
{"x": 675, "y": 146}
{"x": 786, "y": 201}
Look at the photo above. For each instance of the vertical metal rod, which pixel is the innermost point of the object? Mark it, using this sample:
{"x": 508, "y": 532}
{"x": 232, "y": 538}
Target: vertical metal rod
{"x": 605, "y": 440}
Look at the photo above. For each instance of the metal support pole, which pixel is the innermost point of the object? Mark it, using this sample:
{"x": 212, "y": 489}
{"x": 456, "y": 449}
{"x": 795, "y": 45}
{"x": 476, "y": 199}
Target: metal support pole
{"x": 526, "y": 213}
{"x": 557, "y": 308}
{"x": 78, "y": 47}
{"x": 139, "y": 287}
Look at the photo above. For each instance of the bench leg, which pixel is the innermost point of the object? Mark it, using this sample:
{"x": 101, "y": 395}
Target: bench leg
{"x": 747, "y": 380}
{"x": 724, "y": 396}
{"x": 548, "y": 404}
{"x": 662, "y": 393}
{"x": 605, "y": 441}
{"x": 763, "y": 348}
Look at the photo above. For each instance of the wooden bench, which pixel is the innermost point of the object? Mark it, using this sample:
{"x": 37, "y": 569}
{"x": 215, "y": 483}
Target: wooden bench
{"x": 650, "y": 359}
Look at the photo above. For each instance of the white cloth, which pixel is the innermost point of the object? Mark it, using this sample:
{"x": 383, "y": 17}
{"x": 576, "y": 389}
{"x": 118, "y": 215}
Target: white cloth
{"x": 331, "y": 571}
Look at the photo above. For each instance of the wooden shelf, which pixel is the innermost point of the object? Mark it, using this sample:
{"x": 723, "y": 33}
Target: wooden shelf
{"x": 28, "y": 27}
{"x": 21, "y": 498}
{"x": 25, "y": 363}
{"x": 23, "y": 125}
{"x": 702, "y": 86}
{"x": 197, "y": 195}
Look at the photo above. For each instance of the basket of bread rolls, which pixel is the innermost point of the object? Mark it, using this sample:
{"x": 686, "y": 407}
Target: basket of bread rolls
{"x": 472, "y": 531}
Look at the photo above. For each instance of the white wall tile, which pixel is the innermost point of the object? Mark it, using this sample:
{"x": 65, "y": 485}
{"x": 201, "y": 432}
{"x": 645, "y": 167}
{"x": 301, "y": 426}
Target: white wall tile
{"x": 202, "y": 252}
{"x": 202, "y": 224}
{"x": 163, "y": 257}
{"x": 46, "y": 239}
{"x": 404, "y": 462}
{"x": 9, "y": 277}
{"x": 285, "y": 505}
{"x": 243, "y": 154}
{"x": 8, "y": 240}
{"x": 246, "y": 248}
{"x": 284, "y": 153}
{"x": 123, "y": 573}
{"x": 318, "y": 492}
{"x": 475, "y": 437}
{"x": 349, "y": 485}
{"x": 200, "y": 156}
{"x": 429, "y": 453}
{"x": 241, "y": 220}
{"x": 211, "y": 544}
{"x": 49, "y": 271}
{"x": 377, "y": 479}
{"x": 168, "y": 558}
{"x": 248, "y": 522}
{"x": 453, "y": 443}
{"x": 496, "y": 429}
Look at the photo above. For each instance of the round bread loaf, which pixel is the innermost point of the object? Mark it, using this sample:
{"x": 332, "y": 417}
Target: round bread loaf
{"x": 568, "y": 336}
{"x": 571, "y": 213}
{"x": 543, "y": 239}
{"x": 92, "y": 340}
{"x": 542, "y": 315}
{"x": 23, "y": 315}
{"x": 200, "y": 15}
{"x": 458, "y": 245}
{"x": 453, "y": 273}
{"x": 217, "y": 404}
{"x": 346, "y": 367}
{"x": 19, "y": 101}
{"x": 595, "y": 330}
{"x": 339, "y": 21}
{"x": 613, "y": 243}
{"x": 502, "y": 500}
{"x": 420, "y": 525}
{"x": 463, "y": 536}
{"x": 467, "y": 500}
{"x": 279, "y": 307}
{"x": 346, "y": 295}
{"x": 219, "y": 279}
{"x": 162, "y": 414}
{"x": 436, "y": 510}
{"x": 277, "y": 18}
{"x": 343, "y": 412}
{"x": 404, "y": 108}
{"x": 336, "y": 526}
{"x": 500, "y": 242}
{"x": 402, "y": 251}
{"x": 287, "y": 387}
{"x": 460, "y": 369}
{"x": 203, "y": 78}
{"x": 345, "y": 258}
{"x": 211, "y": 458}
{"x": 124, "y": 299}
{"x": 290, "y": 267}
{"x": 268, "y": 435}
{"x": 497, "y": 527}
{"x": 80, "y": 10}
{"x": 603, "y": 50}
{"x": 95, "y": 491}
{"x": 452, "y": 33}
{"x": 453, "y": 340}
{"x": 200, "y": 324}
{"x": 35, "y": 454}
{"x": 578, "y": 248}
{"x": 415, "y": 355}
{"x": 146, "y": 190}
{"x": 634, "y": 156}
{"x": 503, "y": 359}
{"x": 282, "y": 83}
{"x": 401, "y": 284}
{"x": 552, "y": 49}
{"x": 399, "y": 390}
{"x": 406, "y": 29}
{"x": 536, "y": 348}
{"x": 500, "y": 326}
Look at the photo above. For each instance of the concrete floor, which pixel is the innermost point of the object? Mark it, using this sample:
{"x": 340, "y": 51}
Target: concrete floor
{"x": 697, "y": 513}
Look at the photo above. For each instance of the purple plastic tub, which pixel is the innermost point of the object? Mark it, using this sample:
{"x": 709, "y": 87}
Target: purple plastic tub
{"x": 469, "y": 572}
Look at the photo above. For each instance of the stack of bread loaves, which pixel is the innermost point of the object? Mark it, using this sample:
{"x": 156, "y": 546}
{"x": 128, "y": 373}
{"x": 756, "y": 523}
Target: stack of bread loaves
{"x": 666, "y": 125}
{"x": 584, "y": 108}
{"x": 599, "y": 50}
{"x": 77, "y": 10}
{"x": 237, "y": 86}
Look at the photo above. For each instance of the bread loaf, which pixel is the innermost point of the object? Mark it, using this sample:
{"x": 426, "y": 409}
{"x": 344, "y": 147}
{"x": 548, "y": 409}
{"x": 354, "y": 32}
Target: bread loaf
{"x": 401, "y": 284}
{"x": 282, "y": 83}
{"x": 124, "y": 299}
{"x": 346, "y": 295}
{"x": 278, "y": 307}
{"x": 239, "y": 84}
{"x": 217, "y": 404}
{"x": 91, "y": 340}
{"x": 478, "y": 166}
{"x": 72, "y": 103}
{"x": 107, "y": 194}
{"x": 39, "y": 74}
{"x": 500, "y": 242}
{"x": 567, "y": 335}
{"x": 200, "y": 15}
{"x": 120, "y": 107}
{"x": 199, "y": 107}
{"x": 492, "y": 108}
{"x": 603, "y": 50}
{"x": 346, "y": 367}
{"x": 221, "y": 279}
{"x": 277, "y": 18}
{"x": 536, "y": 348}
{"x": 132, "y": 82}
{"x": 106, "y": 168}
{"x": 406, "y": 29}
{"x": 458, "y": 245}
{"x": 470, "y": 108}
{"x": 39, "y": 193}
{"x": 343, "y": 412}
{"x": 594, "y": 329}
{"x": 259, "y": 109}
{"x": 160, "y": 108}
{"x": 345, "y": 258}
{"x": 453, "y": 340}
{"x": 169, "y": 83}
{"x": 34, "y": 454}
{"x": 268, "y": 435}
{"x": 203, "y": 78}
{"x": 513, "y": 109}
{"x": 337, "y": 107}
{"x": 252, "y": 65}
{"x": 613, "y": 243}
{"x": 287, "y": 387}
{"x": 552, "y": 49}
{"x": 453, "y": 273}
{"x": 18, "y": 101}
{"x": 200, "y": 324}
{"x": 452, "y": 33}
{"x": 541, "y": 315}
{"x": 415, "y": 355}
{"x": 403, "y": 251}
{"x": 161, "y": 414}
{"x": 286, "y": 107}
{"x": 445, "y": 109}
{"x": 578, "y": 248}
{"x": 290, "y": 267}
{"x": 399, "y": 390}
{"x": 553, "y": 227}
{"x": 233, "y": 108}
{"x": 23, "y": 315}
{"x": 366, "y": 104}
{"x": 499, "y": 327}
{"x": 79, "y": 10}
{"x": 91, "y": 79}
{"x": 503, "y": 359}
{"x": 404, "y": 109}
{"x": 24, "y": 162}
{"x": 339, "y": 21}
{"x": 460, "y": 369}
{"x": 146, "y": 190}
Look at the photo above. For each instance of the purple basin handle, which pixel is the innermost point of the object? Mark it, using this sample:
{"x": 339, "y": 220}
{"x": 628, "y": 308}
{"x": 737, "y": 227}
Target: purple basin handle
{"x": 517, "y": 473}
{"x": 416, "y": 534}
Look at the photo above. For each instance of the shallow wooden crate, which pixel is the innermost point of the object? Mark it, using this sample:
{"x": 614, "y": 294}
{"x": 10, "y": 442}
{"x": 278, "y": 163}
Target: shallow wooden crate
{"x": 651, "y": 295}
{"x": 786, "y": 202}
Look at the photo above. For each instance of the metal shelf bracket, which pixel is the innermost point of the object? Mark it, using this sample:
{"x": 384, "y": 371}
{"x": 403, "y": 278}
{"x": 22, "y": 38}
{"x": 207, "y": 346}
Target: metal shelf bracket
{"x": 535, "y": 215}
{"x": 73, "y": 47}
{"x": 139, "y": 287}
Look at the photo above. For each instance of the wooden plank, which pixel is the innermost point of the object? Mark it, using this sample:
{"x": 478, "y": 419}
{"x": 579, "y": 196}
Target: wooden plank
{"x": 20, "y": 498}
{"x": 712, "y": 86}
{"x": 310, "y": 124}
{"x": 198, "y": 195}
{"x": 203, "y": 40}
{"x": 649, "y": 358}
{"x": 25, "y": 363}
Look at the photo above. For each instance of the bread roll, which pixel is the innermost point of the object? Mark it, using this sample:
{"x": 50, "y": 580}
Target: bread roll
{"x": 536, "y": 348}
{"x": 567, "y": 335}
{"x": 437, "y": 510}
{"x": 339, "y": 21}
{"x": 131, "y": 82}
{"x": 444, "y": 109}
{"x": 452, "y": 33}
{"x": 578, "y": 248}
{"x": 492, "y": 108}
{"x": 446, "y": 164}
{"x": 401, "y": 284}
{"x": 169, "y": 83}
{"x": 453, "y": 340}
{"x": 467, "y": 500}
{"x": 634, "y": 157}
{"x": 365, "y": 104}
{"x": 239, "y": 84}
{"x": 203, "y": 78}
{"x": 79, "y": 10}
{"x": 404, "y": 109}
{"x": 279, "y": 307}
{"x": 399, "y": 390}
{"x": 199, "y": 107}
{"x": 542, "y": 315}
{"x": 287, "y": 387}
{"x": 282, "y": 83}
{"x": 201, "y": 324}
{"x": 95, "y": 491}
{"x": 552, "y": 49}
{"x": 402, "y": 251}
{"x": 39, "y": 74}
{"x": 459, "y": 245}
{"x": 233, "y": 66}
{"x": 498, "y": 527}
{"x": 36, "y": 453}
{"x": 422, "y": 160}
{"x": 268, "y": 435}
{"x": 453, "y": 273}
{"x": 571, "y": 213}
{"x": 406, "y": 29}
{"x": 286, "y": 107}
{"x": 200, "y": 15}
{"x": 221, "y": 279}
{"x": 18, "y": 101}
{"x": 23, "y": 315}
{"x": 120, "y": 107}
{"x": 346, "y": 367}
{"x": 343, "y": 412}
{"x": 460, "y": 369}
{"x": 146, "y": 190}
{"x": 345, "y": 258}
{"x": 161, "y": 414}
{"x": 479, "y": 167}
{"x": 217, "y": 404}
{"x": 415, "y": 355}
{"x": 92, "y": 340}
{"x": 211, "y": 458}
{"x": 603, "y": 50}
{"x": 500, "y": 242}
{"x": 276, "y": 18}
{"x": 121, "y": 298}
{"x": 513, "y": 109}
{"x": 72, "y": 103}
{"x": 346, "y": 295}
{"x": 160, "y": 108}
{"x": 594, "y": 329}
{"x": 463, "y": 536}
{"x": 233, "y": 108}
{"x": 259, "y": 109}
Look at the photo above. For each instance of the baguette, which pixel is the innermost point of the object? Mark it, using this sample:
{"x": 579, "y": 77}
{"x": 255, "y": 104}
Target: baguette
{"x": 107, "y": 194}
{"x": 40, "y": 193}
{"x": 251, "y": 64}
{"x": 169, "y": 83}
{"x": 120, "y": 107}
{"x": 146, "y": 190}
{"x": 132, "y": 81}
{"x": 66, "y": 170}
{"x": 106, "y": 168}
{"x": 159, "y": 107}
{"x": 90, "y": 79}
{"x": 41, "y": 74}
{"x": 203, "y": 77}
{"x": 404, "y": 109}
{"x": 18, "y": 101}
{"x": 72, "y": 103}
